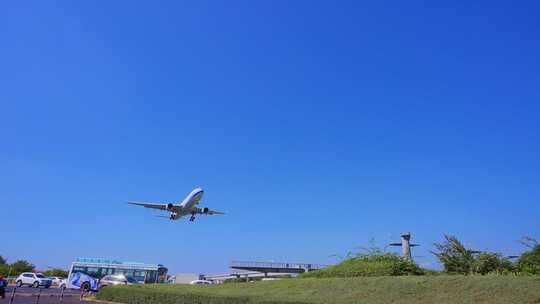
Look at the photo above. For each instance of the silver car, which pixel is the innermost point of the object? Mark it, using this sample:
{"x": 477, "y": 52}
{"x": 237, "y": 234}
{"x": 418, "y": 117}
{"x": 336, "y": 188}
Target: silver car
{"x": 116, "y": 279}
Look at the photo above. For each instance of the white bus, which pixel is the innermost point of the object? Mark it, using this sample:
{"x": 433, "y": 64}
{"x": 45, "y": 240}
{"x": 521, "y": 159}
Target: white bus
{"x": 86, "y": 272}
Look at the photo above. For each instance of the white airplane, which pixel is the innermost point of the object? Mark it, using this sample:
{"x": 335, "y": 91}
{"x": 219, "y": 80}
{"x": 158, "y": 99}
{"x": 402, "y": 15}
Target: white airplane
{"x": 188, "y": 206}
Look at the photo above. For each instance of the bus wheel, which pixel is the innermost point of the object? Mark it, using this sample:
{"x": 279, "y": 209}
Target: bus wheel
{"x": 85, "y": 287}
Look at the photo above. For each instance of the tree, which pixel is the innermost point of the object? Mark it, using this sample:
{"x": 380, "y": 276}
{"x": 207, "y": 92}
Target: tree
{"x": 455, "y": 257}
{"x": 21, "y": 266}
{"x": 529, "y": 262}
{"x": 4, "y": 269}
{"x": 56, "y": 272}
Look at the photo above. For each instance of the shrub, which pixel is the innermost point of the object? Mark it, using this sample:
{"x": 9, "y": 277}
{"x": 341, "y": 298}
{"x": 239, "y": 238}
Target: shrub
{"x": 489, "y": 262}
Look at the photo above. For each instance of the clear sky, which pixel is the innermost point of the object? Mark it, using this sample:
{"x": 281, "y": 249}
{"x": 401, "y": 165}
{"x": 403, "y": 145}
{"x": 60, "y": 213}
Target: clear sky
{"x": 316, "y": 126}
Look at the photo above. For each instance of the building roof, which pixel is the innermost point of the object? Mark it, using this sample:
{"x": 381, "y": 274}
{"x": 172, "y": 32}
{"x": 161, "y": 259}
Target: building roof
{"x": 114, "y": 263}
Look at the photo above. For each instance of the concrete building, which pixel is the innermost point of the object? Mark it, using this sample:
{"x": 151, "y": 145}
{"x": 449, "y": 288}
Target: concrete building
{"x": 184, "y": 278}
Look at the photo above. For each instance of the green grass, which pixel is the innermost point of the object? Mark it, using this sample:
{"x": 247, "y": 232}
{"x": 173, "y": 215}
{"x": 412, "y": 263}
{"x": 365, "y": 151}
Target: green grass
{"x": 359, "y": 290}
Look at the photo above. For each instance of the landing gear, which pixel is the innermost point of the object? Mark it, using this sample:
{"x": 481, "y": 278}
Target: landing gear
{"x": 171, "y": 217}
{"x": 192, "y": 218}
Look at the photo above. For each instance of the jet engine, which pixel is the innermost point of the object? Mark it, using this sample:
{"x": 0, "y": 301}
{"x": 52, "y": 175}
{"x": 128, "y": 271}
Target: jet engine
{"x": 204, "y": 210}
{"x": 170, "y": 206}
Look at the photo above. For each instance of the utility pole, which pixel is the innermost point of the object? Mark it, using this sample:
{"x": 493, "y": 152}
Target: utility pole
{"x": 405, "y": 245}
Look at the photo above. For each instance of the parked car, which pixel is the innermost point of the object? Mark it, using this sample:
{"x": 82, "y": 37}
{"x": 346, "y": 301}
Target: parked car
{"x": 33, "y": 279}
{"x": 200, "y": 282}
{"x": 118, "y": 279}
{"x": 56, "y": 280}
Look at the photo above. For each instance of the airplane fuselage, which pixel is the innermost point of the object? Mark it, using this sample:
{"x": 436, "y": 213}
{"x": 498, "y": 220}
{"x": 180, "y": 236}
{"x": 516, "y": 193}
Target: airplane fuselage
{"x": 188, "y": 204}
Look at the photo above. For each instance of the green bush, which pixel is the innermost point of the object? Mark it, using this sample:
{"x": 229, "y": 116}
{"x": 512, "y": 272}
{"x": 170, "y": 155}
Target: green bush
{"x": 489, "y": 262}
{"x": 368, "y": 265}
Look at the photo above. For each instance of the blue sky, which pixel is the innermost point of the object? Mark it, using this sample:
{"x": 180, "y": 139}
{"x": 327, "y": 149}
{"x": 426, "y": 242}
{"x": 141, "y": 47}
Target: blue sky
{"x": 317, "y": 126}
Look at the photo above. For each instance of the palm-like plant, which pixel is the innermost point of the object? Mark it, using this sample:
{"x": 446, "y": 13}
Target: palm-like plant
{"x": 455, "y": 257}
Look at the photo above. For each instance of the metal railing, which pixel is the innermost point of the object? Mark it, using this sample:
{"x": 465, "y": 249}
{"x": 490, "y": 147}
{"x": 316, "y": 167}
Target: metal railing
{"x": 38, "y": 295}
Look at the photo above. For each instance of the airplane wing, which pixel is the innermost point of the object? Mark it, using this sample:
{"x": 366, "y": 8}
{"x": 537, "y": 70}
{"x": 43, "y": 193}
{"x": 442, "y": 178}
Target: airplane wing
{"x": 208, "y": 211}
{"x": 212, "y": 212}
{"x": 150, "y": 205}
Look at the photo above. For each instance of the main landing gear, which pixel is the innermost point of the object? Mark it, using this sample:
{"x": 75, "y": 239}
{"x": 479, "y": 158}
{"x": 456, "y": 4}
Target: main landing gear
{"x": 192, "y": 218}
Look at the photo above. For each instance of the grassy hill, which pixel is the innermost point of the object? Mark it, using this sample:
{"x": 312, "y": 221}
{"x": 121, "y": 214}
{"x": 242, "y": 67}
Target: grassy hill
{"x": 369, "y": 265}
{"x": 366, "y": 290}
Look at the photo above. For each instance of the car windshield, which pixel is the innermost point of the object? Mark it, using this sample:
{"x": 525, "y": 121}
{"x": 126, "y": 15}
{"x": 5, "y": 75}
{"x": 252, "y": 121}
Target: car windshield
{"x": 39, "y": 275}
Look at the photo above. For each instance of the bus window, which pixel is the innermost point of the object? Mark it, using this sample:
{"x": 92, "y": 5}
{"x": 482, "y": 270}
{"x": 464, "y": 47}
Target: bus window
{"x": 119, "y": 271}
{"x": 80, "y": 269}
{"x": 94, "y": 272}
{"x": 151, "y": 276}
{"x": 107, "y": 271}
{"x": 139, "y": 275}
